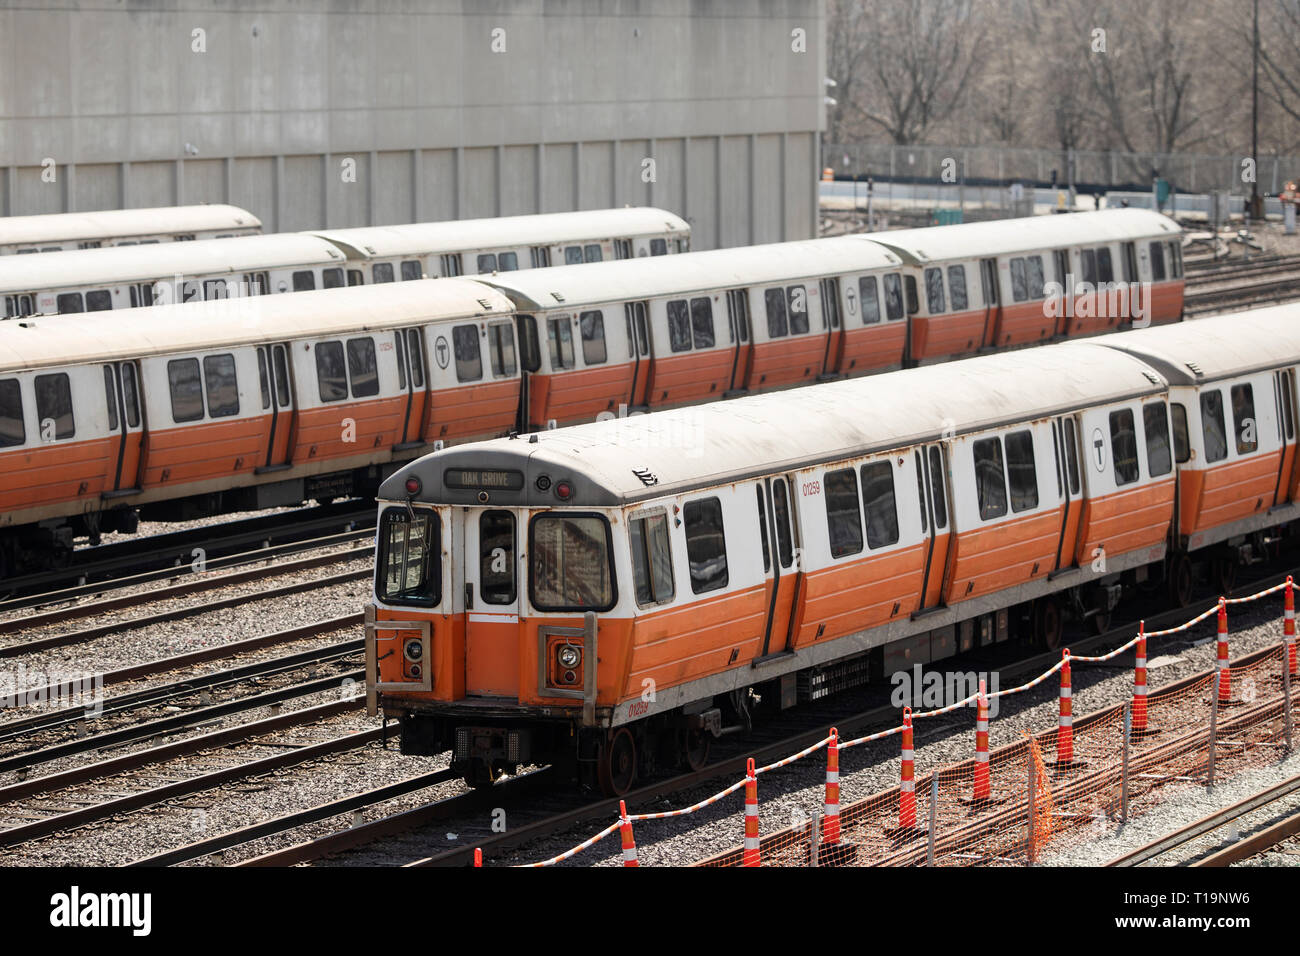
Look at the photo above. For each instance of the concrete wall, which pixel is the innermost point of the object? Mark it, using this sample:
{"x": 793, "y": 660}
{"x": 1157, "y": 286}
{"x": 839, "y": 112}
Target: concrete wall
{"x": 378, "y": 111}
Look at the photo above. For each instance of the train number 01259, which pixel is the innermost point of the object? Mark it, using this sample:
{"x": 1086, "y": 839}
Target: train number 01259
{"x": 812, "y": 488}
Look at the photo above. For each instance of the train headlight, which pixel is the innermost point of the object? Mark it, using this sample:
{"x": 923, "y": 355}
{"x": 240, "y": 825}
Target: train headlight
{"x": 412, "y": 486}
{"x": 568, "y": 656}
{"x": 413, "y": 650}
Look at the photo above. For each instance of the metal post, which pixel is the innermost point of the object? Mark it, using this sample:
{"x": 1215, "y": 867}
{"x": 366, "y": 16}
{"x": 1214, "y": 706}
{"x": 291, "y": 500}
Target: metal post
{"x": 1286, "y": 695}
{"x": 934, "y": 817}
{"x": 1123, "y": 773}
{"x": 814, "y": 840}
{"x": 1029, "y": 840}
{"x": 1214, "y": 720}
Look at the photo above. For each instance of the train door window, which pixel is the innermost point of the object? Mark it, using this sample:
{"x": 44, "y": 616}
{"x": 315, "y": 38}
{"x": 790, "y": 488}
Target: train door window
{"x": 679, "y": 326}
{"x": 627, "y": 318}
{"x": 738, "y": 309}
{"x": 186, "y": 389}
{"x": 702, "y": 322}
{"x": 957, "y": 287}
{"x": 263, "y": 379}
{"x": 451, "y": 265}
{"x": 592, "y": 325}
{"x": 937, "y": 490}
{"x": 1062, "y": 259}
{"x": 879, "y": 505}
{"x": 920, "y": 491}
{"x": 1288, "y": 413}
{"x": 529, "y": 346}
{"x": 330, "y": 279}
{"x": 400, "y": 340}
{"x": 111, "y": 394}
{"x": 415, "y": 350}
{"x": 363, "y": 370}
{"x": 257, "y": 283}
{"x": 1034, "y": 276}
{"x": 1022, "y": 475}
{"x": 1243, "y": 419}
{"x": 797, "y": 302}
{"x": 469, "y": 360}
{"x": 1212, "y": 427}
{"x": 781, "y": 512}
{"x": 1019, "y": 290}
{"x": 894, "y": 297}
{"x": 141, "y": 295}
{"x": 304, "y": 281}
{"x": 356, "y": 277}
{"x": 70, "y": 302}
{"x": 1182, "y": 447}
{"x": 1071, "y": 456}
{"x": 17, "y": 306}
{"x": 331, "y": 372}
{"x": 411, "y": 270}
{"x": 868, "y": 295}
{"x": 573, "y": 255}
{"x": 652, "y": 559}
{"x": 130, "y": 395}
{"x": 280, "y": 362}
{"x": 100, "y": 300}
{"x": 54, "y": 404}
{"x": 1157, "y": 261}
{"x": 1155, "y": 422}
{"x": 622, "y": 248}
{"x": 570, "y": 563}
{"x": 214, "y": 289}
{"x": 762, "y": 529}
{"x": 95, "y": 243}
{"x": 642, "y": 331}
{"x": 990, "y": 479}
{"x": 843, "y": 512}
{"x": 496, "y": 567}
{"x": 591, "y": 252}
{"x": 409, "y": 569}
{"x": 913, "y": 302}
{"x": 559, "y": 334}
{"x": 1128, "y": 258}
{"x": 658, "y": 247}
{"x": 830, "y": 303}
{"x": 221, "y": 385}
{"x": 487, "y": 262}
{"x": 381, "y": 272}
{"x": 12, "y": 429}
{"x": 777, "y": 326}
{"x": 507, "y": 262}
{"x": 1089, "y": 268}
{"x": 1056, "y": 458}
{"x": 1105, "y": 272}
{"x": 706, "y": 545}
{"x": 1123, "y": 446}
{"x": 1176, "y": 259}
{"x": 540, "y": 256}
{"x": 934, "y": 290}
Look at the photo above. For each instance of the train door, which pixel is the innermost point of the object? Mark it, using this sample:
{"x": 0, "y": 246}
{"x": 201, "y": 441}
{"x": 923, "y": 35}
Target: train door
{"x": 277, "y": 401}
{"x": 412, "y": 380}
{"x": 738, "y": 318}
{"x": 489, "y": 572}
{"x": 832, "y": 325}
{"x": 1069, "y": 487}
{"x": 989, "y": 289}
{"x": 638, "y": 337}
{"x": 782, "y": 565}
{"x": 1284, "y": 399}
{"x": 932, "y": 489}
{"x": 122, "y": 393}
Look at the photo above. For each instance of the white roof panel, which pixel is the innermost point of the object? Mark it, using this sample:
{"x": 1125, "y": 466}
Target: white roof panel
{"x": 123, "y": 223}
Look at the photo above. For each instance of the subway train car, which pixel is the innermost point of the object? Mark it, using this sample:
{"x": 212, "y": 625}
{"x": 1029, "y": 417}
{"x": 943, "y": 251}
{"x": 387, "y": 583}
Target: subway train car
{"x": 615, "y": 594}
{"x": 57, "y": 232}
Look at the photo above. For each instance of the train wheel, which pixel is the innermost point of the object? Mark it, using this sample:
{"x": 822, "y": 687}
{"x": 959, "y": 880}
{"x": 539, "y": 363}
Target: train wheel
{"x": 1179, "y": 578}
{"x": 618, "y": 764}
{"x": 1047, "y": 623}
{"x": 695, "y": 748}
{"x": 1224, "y": 575}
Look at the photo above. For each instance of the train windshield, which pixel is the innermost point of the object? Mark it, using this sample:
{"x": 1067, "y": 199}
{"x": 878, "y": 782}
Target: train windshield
{"x": 570, "y": 563}
{"x": 409, "y": 570}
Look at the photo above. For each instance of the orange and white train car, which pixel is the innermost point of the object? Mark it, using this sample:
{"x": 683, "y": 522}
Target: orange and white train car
{"x": 57, "y": 232}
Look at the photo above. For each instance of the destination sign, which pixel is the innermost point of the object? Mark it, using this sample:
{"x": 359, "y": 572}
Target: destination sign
{"x": 476, "y": 479}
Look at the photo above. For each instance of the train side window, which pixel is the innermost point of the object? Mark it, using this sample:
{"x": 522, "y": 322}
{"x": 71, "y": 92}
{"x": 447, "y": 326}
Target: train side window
{"x": 508, "y": 262}
{"x": 569, "y": 570}
{"x": 797, "y": 301}
{"x": 1157, "y": 261}
{"x": 957, "y": 287}
{"x": 1019, "y": 290}
{"x": 1105, "y": 272}
{"x": 100, "y": 300}
{"x": 1155, "y": 422}
{"x": 1022, "y": 475}
{"x": 363, "y": 370}
{"x": 381, "y": 272}
{"x": 869, "y": 297}
{"x": 501, "y": 350}
{"x": 130, "y": 396}
{"x": 934, "y": 290}
{"x": 331, "y": 372}
{"x": 263, "y": 379}
{"x": 706, "y": 545}
{"x": 54, "y": 403}
{"x": 1089, "y": 259}
{"x": 330, "y": 279}
{"x": 990, "y": 479}
{"x": 762, "y": 528}
{"x": 451, "y": 264}
{"x": 469, "y": 358}
{"x": 1123, "y": 446}
{"x": 658, "y": 247}
{"x": 781, "y": 512}
{"x": 487, "y": 262}
{"x": 843, "y": 512}
{"x": 1071, "y": 456}
{"x": 70, "y": 302}
{"x": 186, "y": 390}
{"x": 878, "y": 502}
{"x": 1182, "y": 446}
{"x": 356, "y": 277}
{"x": 573, "y": 255}
{"x": 592, "y": 325}
{"x": 937, "y": 494}
{"x": 496, "y": 568}
{"x": 1034, "y": 276}
{"x": 894, "y": 297}
{"x": 304, "y": 281}
{"x": 1212, "y": 427}
{"x": 559, "y": 334}
{"x": 777, "y": 326}
{"x": 222, "y": 386}
{"x": 702, "y": 322}
{"x": 12, "y": 429}
{"x": 1243, "y": 419}
{"x": 652, "y": 559}
{"x": 591, "y": 252}
{"x": 411, "y": 270}
{"x": 409, "y": 569}
{"x": 679, "y": 326}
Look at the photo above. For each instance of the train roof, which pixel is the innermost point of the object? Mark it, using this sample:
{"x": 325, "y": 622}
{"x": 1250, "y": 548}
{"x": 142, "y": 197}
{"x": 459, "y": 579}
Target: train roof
{"x": 55, "y": 341}
{"x": 970, "y": 240}
{"x": 122, "y": 265}
{"x": 1204, "y": 350}
{"x": 423, "y": 238}
{"x": 629, "y": 279}
{"x": 115, "y": 223}
{"x": 709, "y": 445}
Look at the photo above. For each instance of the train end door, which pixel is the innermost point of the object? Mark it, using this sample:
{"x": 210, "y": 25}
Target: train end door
{"x": 488, "y": 574}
